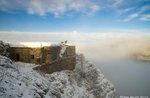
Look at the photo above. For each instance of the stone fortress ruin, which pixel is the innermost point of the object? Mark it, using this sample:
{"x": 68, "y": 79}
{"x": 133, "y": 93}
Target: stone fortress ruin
{"x": 51, "y": 58}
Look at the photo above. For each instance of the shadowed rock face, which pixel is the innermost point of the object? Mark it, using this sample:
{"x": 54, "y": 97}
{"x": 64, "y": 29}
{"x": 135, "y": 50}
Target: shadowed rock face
{"x": 4, "y": 49}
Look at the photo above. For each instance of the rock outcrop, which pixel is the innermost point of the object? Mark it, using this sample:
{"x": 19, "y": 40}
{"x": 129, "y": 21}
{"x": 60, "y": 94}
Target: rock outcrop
{"x": 4, "y": 49}
{"x": 19, "y": 80}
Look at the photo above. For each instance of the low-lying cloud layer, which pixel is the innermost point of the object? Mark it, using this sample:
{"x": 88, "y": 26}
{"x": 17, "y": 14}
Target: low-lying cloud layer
{"x": 115, "y": 48}
{"x": 93, "y": 45}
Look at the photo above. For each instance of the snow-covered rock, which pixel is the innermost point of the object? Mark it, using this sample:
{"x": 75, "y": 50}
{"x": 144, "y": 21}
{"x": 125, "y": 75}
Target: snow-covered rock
{"x": 4, "y": 48}
{"x": 6, "y": 62}
{"x": 21, "y": 81}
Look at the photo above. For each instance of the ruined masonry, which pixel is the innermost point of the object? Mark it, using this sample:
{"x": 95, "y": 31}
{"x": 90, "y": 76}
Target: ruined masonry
{"x": 48, "y": 57}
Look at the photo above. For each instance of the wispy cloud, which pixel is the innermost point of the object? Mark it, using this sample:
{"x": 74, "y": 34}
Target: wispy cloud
{"x": 139, "y": 14}
{"x": 145, "y": 17}
{"x": 130, "y": 9}
{"x": 56, "y": 7}
{"x": 144, "y": 8}
{"x": 126, "y": 10}
{"x": 132, "y": 16}
{"x": 117, "y": 2}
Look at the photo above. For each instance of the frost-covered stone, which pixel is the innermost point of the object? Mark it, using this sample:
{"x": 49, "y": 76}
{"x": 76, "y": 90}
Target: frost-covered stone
{"x": 94, "y": 80}
{"x": 4, "y": 49}
{"x": 6, "y": 62}
{"x": 28, "y": 83}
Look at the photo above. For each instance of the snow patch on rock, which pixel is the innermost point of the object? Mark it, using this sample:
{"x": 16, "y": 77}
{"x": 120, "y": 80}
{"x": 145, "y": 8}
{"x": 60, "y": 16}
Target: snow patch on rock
{"x": 6, "y": 62}
{"x": 63, "y": 49}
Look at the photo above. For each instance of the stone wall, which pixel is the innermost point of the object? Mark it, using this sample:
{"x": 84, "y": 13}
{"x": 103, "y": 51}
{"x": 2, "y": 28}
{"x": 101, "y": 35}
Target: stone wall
{"x": 25, "y": 54}
{"x": 48, "y": 57}
{"x": 52, "y": 62}
{"x": 61, "y": 64}
{"x": 51, "y": 54}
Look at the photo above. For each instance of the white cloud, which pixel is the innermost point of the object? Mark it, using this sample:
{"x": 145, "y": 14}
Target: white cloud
{"x": 144, "y": 8}
{"x": 117, "y": 2}
{"x": 145, "y": 17}
{"x": 56, "y": 7}
{"x": 126, "y": 10}
{"x": 130, "y": 17}
{"x": 16, "y": 36}
{"x": 94, "y": 41}
{"x": 138, "y": 14}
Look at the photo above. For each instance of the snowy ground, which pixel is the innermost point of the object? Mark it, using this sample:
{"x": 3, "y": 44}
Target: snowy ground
{"x": 19, "y": 80}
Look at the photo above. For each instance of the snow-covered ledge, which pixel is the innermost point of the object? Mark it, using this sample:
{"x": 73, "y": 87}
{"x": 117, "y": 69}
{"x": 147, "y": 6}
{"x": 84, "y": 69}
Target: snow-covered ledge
{"x": 21, "y": 81}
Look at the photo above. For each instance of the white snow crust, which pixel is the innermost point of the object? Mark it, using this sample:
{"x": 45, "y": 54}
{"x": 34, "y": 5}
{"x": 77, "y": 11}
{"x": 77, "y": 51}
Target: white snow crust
{"x": 19, "y": 80}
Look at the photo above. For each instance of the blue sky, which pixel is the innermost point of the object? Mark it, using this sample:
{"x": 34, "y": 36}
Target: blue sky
{"x": 75, "y": 15}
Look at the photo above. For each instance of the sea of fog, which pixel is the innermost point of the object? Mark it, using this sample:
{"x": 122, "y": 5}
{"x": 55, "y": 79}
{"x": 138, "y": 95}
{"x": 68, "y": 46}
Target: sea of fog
{"x": 115, "y": 58}
{"x": 111, "y": 52}
{"x": 130, "y": 77}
